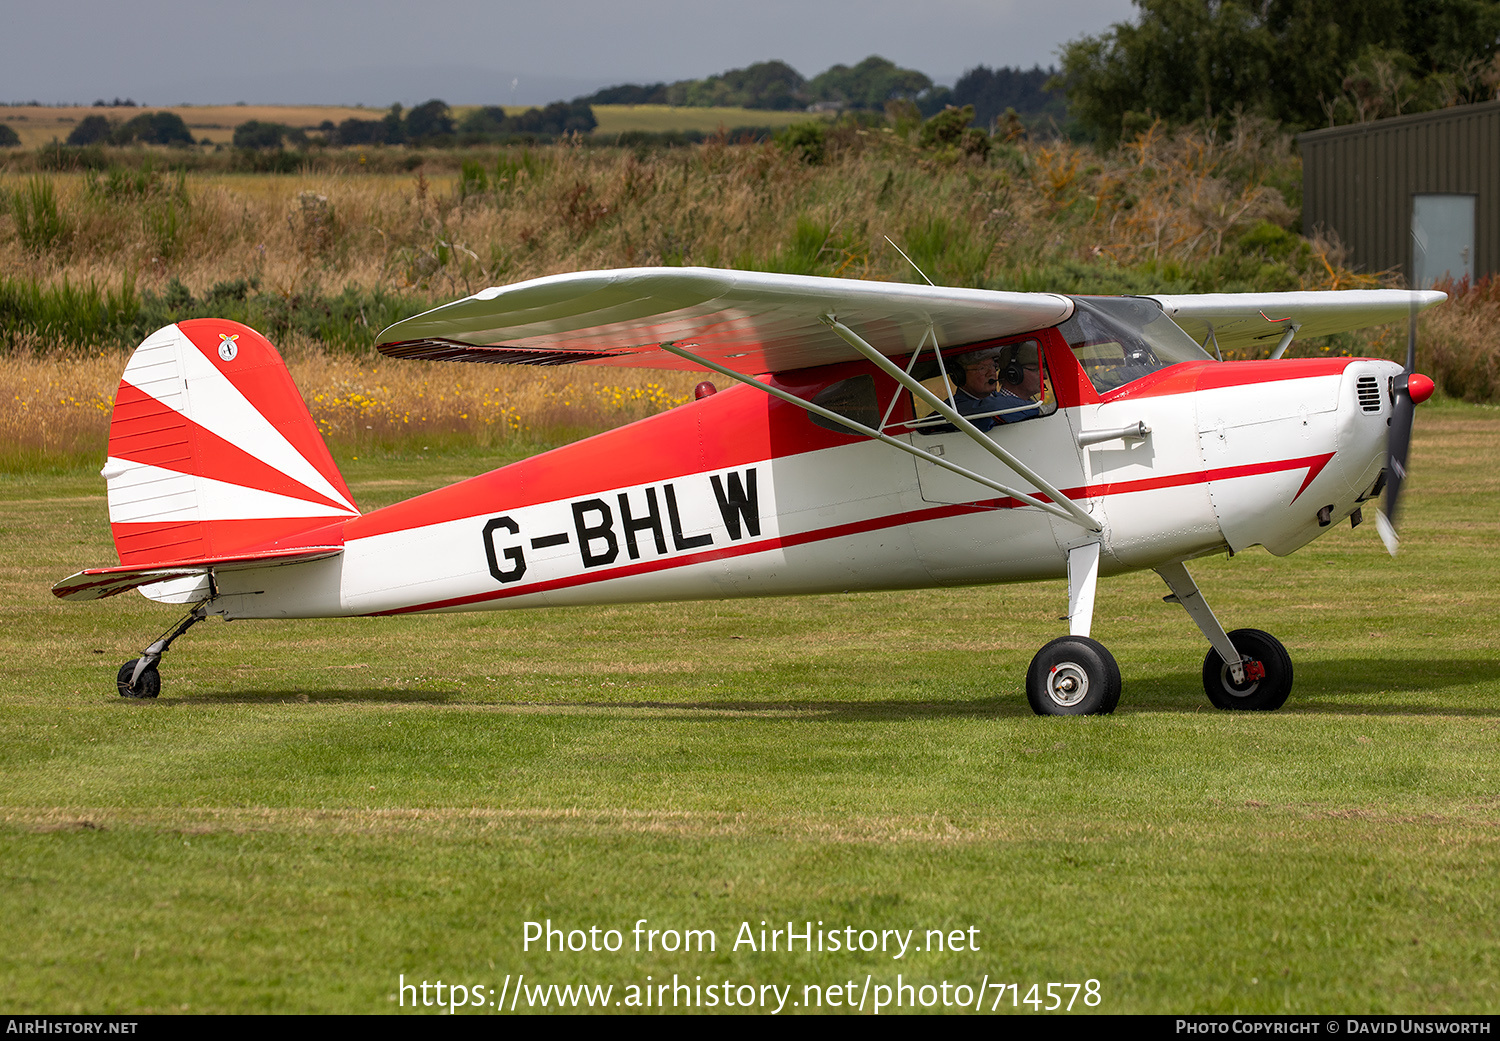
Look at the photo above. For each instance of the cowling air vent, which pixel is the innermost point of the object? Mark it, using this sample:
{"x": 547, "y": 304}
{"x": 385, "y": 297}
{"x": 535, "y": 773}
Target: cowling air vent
{"x": 1368, "y": 389}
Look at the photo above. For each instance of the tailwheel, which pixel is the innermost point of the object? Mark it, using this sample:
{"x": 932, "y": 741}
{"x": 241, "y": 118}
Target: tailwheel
{"x": 146, "y": 684}
{"x": 1073, "y": 676}
{"x": 138, "y": 677}
{"x": 1267, "y": 674}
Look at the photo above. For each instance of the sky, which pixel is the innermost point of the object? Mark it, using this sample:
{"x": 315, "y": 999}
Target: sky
{"x": 169, "y": 52}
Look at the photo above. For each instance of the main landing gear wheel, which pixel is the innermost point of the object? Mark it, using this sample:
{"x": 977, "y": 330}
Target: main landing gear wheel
{"x": 1268, "y": 674}
{"x": 146, "y": 685}
{"x": 1073, "y": 676}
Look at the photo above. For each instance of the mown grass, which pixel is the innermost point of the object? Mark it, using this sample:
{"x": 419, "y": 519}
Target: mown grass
{"x": 312, "y": 808}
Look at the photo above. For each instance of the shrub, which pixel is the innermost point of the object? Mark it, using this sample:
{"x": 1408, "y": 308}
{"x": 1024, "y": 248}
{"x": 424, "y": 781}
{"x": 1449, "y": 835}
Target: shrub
{"x": 947, "y": 127}
{"x": 118, "y": 184}
{"x": 806, "y": 141}
{"x": 8, "y": 136}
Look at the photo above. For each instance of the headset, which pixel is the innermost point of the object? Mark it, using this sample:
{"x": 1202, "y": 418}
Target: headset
{"x": 1013, "y": 373}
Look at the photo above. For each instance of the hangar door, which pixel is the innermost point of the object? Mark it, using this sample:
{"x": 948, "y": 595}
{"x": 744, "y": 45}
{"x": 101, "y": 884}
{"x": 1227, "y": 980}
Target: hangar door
{"x": 1442, "y": 231}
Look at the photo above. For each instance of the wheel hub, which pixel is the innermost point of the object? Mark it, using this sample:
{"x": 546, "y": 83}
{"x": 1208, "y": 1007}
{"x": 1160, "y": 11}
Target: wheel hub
{"x": 1254, "y": 673}
{"x": 1067, "y": 684}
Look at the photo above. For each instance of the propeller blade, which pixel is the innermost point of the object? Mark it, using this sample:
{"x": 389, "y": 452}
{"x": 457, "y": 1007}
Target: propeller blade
{"x": 1387, "y": 533}
{"x": 1398, "y": 442}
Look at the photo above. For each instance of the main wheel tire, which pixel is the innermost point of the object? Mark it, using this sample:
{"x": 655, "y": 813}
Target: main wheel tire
{"x": 1263, "y": 693}
{"x": 1073, "y": 676}
{"x": 147, "y": 684}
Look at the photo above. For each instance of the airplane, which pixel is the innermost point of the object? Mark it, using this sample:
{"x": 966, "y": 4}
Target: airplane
{"x": 871, "y": 436}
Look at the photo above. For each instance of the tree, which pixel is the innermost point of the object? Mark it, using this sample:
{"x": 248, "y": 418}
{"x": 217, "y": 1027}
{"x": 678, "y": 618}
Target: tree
{"x": 1290, "y": 60}
{"x": 488, "y": 121}
{"x": 558, "y": 118}
{"x": 430, "y": 119}
{"x": 92, "y": 130}
{"x": 392, "y": 128}
{"x": 358, "y": 132}
{"x": 868, "y": 85}
{"x": 627, "y": 94}
{"x": 766, "y": 85}
{"x": 1183, "y": 60}
{"x": 8, "y": 136}
{"x": 257, "y": 135}
{"x": 155, "y": 128}
{"x": 992, "y": 91}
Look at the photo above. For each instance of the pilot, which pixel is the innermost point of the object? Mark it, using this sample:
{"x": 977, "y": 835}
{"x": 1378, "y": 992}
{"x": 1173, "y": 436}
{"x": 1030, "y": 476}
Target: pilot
{"x": 998, "y": 378}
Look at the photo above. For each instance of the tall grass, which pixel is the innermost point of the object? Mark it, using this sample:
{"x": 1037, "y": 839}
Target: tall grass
{"x": 1198, "y": 208}
{"x": 334, "y": 254}
{"x": 55, "y": 409}
{"x": 1459, "y": 345}
{"x": 39, "y": 228}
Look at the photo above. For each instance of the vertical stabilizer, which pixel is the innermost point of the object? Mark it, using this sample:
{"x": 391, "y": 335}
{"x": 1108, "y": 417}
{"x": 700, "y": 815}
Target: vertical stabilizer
{"x": 212, "y": 452}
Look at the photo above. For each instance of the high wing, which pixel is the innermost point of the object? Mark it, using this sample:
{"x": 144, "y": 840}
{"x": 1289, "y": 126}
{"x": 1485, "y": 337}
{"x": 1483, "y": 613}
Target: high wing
{"x": 749, "y": 321}
{"x": 1247, "y": 319}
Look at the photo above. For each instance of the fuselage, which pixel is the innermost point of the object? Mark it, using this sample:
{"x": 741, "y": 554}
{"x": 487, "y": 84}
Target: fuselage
{"x": 740, "y": 494}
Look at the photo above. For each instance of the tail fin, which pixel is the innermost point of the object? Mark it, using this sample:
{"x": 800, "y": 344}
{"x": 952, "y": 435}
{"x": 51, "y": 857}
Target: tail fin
{"x": 212, "y": 454}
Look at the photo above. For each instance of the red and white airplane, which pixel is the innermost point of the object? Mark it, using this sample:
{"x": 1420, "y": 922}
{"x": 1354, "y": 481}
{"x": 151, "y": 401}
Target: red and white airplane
{"x": 874, "y": 436}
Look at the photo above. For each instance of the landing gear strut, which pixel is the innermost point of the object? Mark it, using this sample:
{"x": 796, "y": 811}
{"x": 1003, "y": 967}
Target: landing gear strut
{"x": 138, "y": 677}
{"x": 1246, "y": 669}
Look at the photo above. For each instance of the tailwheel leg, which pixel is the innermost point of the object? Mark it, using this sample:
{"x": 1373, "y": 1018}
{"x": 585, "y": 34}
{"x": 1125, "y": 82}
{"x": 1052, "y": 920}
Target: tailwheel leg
{"x": 1074, "y": 675}
{"x": 138, "y": 678}
{"x": 1247, "y": 669}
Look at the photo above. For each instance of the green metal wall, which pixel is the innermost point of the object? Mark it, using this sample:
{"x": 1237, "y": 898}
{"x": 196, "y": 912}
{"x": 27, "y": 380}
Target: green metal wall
{"x": 1358, "y": 181}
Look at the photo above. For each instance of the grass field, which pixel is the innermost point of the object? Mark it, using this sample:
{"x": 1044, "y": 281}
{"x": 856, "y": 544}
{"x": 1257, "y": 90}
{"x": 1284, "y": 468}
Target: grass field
{"x": 313, "y": 809}
{"x": 614, "y": 119}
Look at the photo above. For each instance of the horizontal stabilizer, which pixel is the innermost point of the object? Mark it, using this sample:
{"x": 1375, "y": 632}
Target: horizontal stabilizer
{"x": 98, "y": 583}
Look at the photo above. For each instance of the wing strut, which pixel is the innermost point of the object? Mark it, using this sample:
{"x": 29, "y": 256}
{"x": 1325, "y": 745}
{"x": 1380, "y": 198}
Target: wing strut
{"x": 859, "y": 428}
{"x": 1286, "y": 341}
{"x": 1068, "y": 508}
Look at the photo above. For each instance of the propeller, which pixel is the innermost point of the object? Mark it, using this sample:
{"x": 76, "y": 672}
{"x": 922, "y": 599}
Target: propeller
{"x": 1408, "y": 390}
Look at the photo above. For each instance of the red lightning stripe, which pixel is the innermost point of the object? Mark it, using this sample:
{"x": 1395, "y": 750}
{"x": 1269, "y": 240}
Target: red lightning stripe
{"x": 1313, "y": 464}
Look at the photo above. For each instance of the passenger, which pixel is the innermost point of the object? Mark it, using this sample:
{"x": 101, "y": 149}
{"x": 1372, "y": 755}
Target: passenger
{"x": 996, "y": 379}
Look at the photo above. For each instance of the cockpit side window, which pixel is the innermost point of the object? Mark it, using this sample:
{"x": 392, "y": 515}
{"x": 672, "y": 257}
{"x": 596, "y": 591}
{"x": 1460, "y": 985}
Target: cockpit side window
{"x": 990, "y": 386}
{"x": 1119, "y": 339}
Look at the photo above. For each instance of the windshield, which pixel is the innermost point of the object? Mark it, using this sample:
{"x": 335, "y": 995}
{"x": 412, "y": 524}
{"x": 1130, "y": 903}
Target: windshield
{"x": 1119, "y": 339}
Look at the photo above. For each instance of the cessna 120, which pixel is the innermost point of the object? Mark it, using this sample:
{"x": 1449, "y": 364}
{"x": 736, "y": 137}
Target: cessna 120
{"x": 879, "y": 436}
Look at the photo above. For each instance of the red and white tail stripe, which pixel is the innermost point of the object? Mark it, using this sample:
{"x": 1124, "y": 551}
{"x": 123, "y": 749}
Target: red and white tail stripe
{"x": 212, "y": 453}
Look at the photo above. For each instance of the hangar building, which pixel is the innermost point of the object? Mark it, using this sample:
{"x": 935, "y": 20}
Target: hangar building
{"x": 1419, "y": 193}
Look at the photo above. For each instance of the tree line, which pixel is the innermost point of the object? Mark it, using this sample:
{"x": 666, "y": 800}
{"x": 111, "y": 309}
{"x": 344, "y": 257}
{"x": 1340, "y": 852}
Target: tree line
{"x": 868, "y": 86}
{"x": 428, "y": 124}
{"x": 1300, "y": 63}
